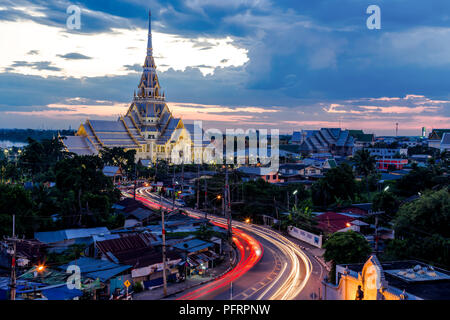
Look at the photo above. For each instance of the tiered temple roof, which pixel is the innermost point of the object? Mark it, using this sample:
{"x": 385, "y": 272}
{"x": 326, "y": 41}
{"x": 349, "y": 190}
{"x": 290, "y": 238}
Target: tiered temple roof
{"x": 147, "y": 121}
{"x": 329, "y": 140}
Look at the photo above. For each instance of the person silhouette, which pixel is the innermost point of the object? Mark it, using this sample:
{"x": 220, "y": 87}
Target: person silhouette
{"x": 359, "y": 294}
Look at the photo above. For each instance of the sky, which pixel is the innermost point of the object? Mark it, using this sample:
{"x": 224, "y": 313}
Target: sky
{"x": 287, "y": 65}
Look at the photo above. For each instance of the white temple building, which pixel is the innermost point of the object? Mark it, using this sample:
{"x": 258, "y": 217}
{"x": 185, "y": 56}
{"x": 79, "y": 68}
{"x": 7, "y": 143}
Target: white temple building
{"x": 148, "y": 126}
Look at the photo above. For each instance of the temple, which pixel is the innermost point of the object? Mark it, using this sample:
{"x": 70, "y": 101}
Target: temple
{"x": 147, "y": 127}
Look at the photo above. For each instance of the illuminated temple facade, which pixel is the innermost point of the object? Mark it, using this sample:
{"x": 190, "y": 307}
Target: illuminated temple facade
{"x": 147, "y": 127}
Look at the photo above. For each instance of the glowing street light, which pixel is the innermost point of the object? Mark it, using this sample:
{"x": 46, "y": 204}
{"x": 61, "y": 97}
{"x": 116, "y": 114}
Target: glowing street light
{"x": 40, "y": 268}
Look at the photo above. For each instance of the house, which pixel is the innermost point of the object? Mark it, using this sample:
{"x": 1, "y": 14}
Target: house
{"x": 197, "y": 254}
{"x": 362, "y": 140}
{"x": 329, "y": 140}
{"x": 445, "y": 142}
{"x": 300, "y": 169}
{"x": 387, "y": 153}
{"x": 27, "y": 252}
{"x": 135, "y": 212}
{"x": 49, "y": 284}
{"x": 59, "y": 241}
{"x": 331, "y": 222}
{"x": 387, "y": 164}
{"x": 110, "y": 274}
{"x": 397, "y": 280}
{"x": 141, "y": 252}
{"x": 435, "y": 138}
{"x": 253, "y": 173}
{"x": 115, "y": 173}
{"x": 33, "y": 290}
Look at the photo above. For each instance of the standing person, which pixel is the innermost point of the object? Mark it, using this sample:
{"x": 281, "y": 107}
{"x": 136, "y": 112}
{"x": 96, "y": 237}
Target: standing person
{"x": 359, "y": 294}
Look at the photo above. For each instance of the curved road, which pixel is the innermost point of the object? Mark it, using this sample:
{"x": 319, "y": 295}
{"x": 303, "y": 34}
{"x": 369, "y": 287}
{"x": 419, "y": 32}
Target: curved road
{"x": 271, "y": 266}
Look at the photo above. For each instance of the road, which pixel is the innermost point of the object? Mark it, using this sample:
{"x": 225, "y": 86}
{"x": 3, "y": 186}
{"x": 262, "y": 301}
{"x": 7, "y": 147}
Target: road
{"x": 271, "y": 266}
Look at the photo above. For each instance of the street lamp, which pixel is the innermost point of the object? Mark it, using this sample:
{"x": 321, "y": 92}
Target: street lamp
{"x": 386, "y": 189}
{"x": 295, "y": 194}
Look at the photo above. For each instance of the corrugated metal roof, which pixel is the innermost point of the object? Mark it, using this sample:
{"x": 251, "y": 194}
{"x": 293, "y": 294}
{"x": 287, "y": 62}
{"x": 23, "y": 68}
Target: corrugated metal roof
{"x": 62, "y": 235}
{"x": 95, "y": 268}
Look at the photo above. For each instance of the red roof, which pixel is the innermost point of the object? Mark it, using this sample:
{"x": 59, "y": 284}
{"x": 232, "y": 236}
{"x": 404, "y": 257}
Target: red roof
{"x": 331, "y": 222}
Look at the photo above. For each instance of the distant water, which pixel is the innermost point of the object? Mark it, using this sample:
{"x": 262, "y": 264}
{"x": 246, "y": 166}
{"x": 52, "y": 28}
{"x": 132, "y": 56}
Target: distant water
{"x": 10, "y": 144}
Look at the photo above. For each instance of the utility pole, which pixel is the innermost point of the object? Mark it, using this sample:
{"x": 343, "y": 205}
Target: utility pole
{"x": 228, "y": 204}
{"x": 135, "y": 181}
{"x": 182, "y": 176}
{"x": 198, "y": 187}
{"x": 173, "y": 189}
{"x": 376, "y": 234}
{"x": 13, "y": 261}
{"x": 288, "y": 195}
{"x": 163, "y": 248}
{"x": 205, "y": 205}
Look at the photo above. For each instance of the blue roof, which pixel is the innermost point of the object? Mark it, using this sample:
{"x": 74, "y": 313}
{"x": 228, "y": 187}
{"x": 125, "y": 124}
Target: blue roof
{"x": 193, "y": 245}
{"x": 96, "y": 268}
{"x": 61, "y": 235}
{"x": 62, "y": 293}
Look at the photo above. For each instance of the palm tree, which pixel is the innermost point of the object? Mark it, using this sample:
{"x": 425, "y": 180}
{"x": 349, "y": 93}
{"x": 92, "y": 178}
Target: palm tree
{"x": 365, "y": 165}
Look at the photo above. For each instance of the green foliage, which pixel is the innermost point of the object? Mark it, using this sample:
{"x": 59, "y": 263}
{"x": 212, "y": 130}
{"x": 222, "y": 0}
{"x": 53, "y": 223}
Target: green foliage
{"x": 338, "y": 183}
{"x": 138, "y": 287}
{"x": 421, "y": 179}
{"x": 387, "y": 202}
{"x": 423, "y": 224}
{"x": 15, "y": 200}
{"x": 346, "y": 247}
{"x": 205, "y": 232}
{"x": 87, "y": 194}
{"x": 22, "y": 135}
{"x": 364, "y": 162}
{"x": 38, "y": 158}
{"x": 75, "y": 251}
{"x": 120, "y": 158}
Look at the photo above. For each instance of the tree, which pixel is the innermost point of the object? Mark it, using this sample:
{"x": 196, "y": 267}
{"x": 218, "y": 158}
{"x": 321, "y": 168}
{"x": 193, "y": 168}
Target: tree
{"x": 345, "y": 247}
{"x": 365, "y": 165}
{"x": 423, "y": 224}
{"x": 85, "y": 190}
{"x": 420, "y": 179}
{"x": 41, "y": 157}
{"x": 387, "y": 202}
{"x": 14, "y": 199}
{"x": 338, "y": 183}
{"x": 119, "y": 157}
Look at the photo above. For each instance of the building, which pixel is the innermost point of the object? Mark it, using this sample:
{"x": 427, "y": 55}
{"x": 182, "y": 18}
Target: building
{"x": 147, "y": 127}
{"x": 328, "y": 140}
{"x": 398, "y": 280}
{"x": 254, "y": 173}
{"x": 387, "y": 152}
{"x": 386, "y": 164}
{"x": 362, "y": 140}
{"x": 110, "y": 274}
{"x": 435, "y": 138}
{"x": 115, "y": 173}
{"x": 293, "y": 169}
{"x": 61, "y": 240}
{"x": 445, "y": 142}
